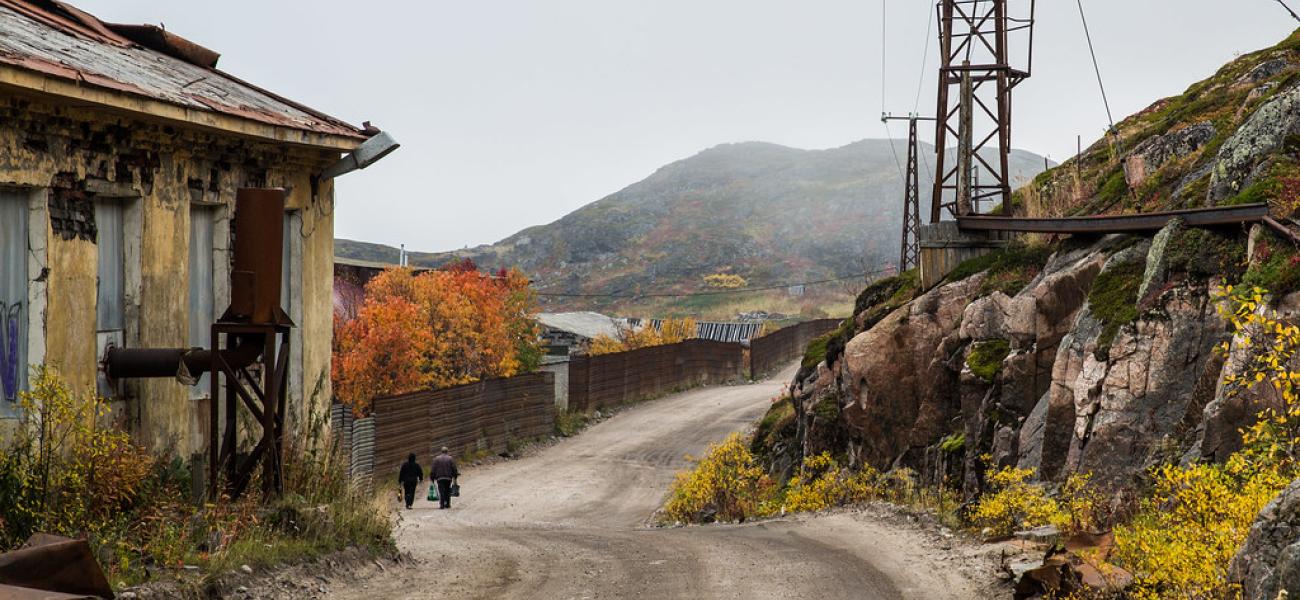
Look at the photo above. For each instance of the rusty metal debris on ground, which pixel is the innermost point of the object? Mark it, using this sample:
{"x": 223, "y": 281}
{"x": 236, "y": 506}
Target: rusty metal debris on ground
{"x": 1080, "y": 563}
{"x": 52, "y": 567}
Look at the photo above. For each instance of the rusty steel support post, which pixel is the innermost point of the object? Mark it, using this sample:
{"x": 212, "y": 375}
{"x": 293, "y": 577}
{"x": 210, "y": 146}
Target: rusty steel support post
{"x": 976, "y": 55}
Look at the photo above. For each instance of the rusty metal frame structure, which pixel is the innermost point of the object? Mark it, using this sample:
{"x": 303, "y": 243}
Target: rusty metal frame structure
{"x": 909, "y": 254}
{"x": 265, "y": 401}
{"x": 975, "y": 29}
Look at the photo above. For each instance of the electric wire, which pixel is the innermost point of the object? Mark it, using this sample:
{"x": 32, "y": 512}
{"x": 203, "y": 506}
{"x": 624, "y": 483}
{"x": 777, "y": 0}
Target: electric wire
{"x": 1097, "y": 68}
{"x": 716, "y": 292}
{"x": 925, "y": 59}
{"x": 1288, "y": 9}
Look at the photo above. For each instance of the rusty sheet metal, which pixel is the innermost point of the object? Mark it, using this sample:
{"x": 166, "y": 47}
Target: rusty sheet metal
{"x": 84, "y": 50}
{"x": 10, "y": 592}
{"x": 482, "y": 416}
{"x": 1219, "y": 215}
{"x": 774, "y": 350}
{"x": 56, "y": 564}
{"x": 608, "y": 380}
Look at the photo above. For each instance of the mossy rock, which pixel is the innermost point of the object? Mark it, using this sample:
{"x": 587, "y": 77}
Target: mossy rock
{"x": 1008, "y": 270}
{"x": 773, "y": 426}
{"x": 816, "y": 352}
{"x": 1276, "y": 268}
{"x": 985, "y": 358}
{"x": 1113, "y": 299}
{"x": 1204, "y": 254}
{"x": 827, "y": 410}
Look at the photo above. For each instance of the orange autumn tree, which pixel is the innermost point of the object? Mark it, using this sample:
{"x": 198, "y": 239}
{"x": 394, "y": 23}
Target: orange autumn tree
{"x": 434, "y": 329}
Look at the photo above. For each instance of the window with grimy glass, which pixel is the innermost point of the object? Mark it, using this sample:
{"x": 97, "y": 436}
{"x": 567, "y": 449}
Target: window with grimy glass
{"x": 13, "y": 293}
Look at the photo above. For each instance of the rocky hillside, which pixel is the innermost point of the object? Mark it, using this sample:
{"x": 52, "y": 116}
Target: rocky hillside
{"x": 1084, "y": 355}
{"x": 768, "y": 213}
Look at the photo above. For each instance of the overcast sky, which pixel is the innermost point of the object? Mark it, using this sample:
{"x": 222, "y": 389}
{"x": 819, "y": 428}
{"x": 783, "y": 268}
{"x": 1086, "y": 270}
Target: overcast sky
{"x": 512, "y": 113}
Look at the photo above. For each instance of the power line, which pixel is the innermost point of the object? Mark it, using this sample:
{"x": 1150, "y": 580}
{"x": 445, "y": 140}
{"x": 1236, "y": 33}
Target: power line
{"x": 1288, "y": 9}
{"x": 925, "y": 59}
{"x": 1096, "y": 68}
{"x": 716, "y": 292}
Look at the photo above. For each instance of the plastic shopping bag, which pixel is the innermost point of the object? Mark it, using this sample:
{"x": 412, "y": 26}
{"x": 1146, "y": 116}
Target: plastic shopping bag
{"x": 433, "y": 491}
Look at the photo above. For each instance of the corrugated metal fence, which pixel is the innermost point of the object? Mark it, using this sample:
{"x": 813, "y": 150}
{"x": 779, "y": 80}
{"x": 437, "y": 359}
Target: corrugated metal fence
{"x": 482, "y": 416}
{"x": 356, "y": 441}
{"x": 611, "y": 379}
{"x": 774, "y": 350}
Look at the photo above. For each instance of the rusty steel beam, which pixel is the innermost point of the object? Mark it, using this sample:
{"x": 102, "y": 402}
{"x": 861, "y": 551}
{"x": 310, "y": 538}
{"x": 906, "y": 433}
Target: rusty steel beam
{"x": 1219, "y": 215}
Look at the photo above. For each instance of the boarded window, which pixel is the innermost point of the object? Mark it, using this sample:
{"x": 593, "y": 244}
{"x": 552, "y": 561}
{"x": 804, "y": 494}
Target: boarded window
{"x": 202, "y": 292}
{"x": 13, "y": 293}
{"x": 111, "y": 298}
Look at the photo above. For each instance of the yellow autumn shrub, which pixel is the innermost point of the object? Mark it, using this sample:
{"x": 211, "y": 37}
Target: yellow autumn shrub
{"x": 1082, "y": 507}
{"x": 726, "y": 485}
{"x": 1013, "y": 503}
{"x": 1184, "y": 537}
{"x": 1188, "y": 529}
{"x": 822, "y": 484}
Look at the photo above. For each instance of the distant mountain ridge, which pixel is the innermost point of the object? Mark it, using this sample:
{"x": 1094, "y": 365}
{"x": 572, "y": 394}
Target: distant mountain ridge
{"x": 767, "y": 212}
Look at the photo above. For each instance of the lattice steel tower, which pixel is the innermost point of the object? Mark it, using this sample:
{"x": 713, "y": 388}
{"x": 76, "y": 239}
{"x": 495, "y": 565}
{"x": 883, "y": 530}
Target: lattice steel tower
{"x": 976, "y": 76}
{"x": 910, "y": 253}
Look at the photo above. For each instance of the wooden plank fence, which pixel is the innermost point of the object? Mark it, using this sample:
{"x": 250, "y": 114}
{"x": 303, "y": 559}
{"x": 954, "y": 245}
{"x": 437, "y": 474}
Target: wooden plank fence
{"x": 608, "y": 380}
{"x": 776, "y": 349}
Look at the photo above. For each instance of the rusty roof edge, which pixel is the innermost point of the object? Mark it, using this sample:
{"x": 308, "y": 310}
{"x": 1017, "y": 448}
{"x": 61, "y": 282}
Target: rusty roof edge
{"x": 38, "y": 82}
{"x": 298, "y": 105}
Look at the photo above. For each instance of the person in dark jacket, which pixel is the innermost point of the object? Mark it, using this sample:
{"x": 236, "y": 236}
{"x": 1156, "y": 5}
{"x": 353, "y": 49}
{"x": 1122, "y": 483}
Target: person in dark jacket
{"x": 410, "y": 476}
{"x": 444, "y": 472}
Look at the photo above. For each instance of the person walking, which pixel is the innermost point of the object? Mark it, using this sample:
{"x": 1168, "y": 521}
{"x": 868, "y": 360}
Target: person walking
{"x": 444, "y": 473}
{"x": 410, "y": 476}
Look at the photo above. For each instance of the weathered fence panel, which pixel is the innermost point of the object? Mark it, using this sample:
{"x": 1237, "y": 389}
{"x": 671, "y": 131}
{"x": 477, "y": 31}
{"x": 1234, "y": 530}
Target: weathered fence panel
{"x": 482, "y": 416}
{"x": 776, "y": 349}
{"x": 607, "y": 380}
{"x": 363, "y": 451}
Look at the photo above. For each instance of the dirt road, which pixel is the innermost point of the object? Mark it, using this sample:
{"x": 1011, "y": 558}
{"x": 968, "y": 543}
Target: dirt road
{"x": 570, "y": 522}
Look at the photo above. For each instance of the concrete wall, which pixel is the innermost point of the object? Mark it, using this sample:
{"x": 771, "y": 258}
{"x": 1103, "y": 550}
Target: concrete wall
{"x": 66, "y": 159}
{"x": 561, "y": 370}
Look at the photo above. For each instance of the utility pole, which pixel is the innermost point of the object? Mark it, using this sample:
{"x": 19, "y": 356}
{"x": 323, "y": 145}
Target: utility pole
{"x": 910, "y": 252}
{"x": 976, "y": 60}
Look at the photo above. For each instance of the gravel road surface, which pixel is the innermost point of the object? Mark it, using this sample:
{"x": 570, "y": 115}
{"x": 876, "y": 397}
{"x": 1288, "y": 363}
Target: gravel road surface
{"x": 570, "y": 522}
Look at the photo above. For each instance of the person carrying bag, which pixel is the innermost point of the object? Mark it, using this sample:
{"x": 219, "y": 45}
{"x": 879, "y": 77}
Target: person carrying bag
{"x": 444, "y": 474}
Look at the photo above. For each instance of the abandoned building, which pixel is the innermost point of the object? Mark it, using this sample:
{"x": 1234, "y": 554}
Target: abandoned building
{"x": 121, "y": 150}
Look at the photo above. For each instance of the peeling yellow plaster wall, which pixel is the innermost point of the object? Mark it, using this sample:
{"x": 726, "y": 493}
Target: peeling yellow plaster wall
{"x": 166, "y": 169}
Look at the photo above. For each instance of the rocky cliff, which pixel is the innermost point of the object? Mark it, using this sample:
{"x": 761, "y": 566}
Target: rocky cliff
{"x": 1102, "y": 355}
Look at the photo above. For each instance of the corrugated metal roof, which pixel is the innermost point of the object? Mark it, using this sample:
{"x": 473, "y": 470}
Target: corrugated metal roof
{"x": 585, "y": 324}
{"x": 60, "y": 41}
{"x": 720, "y": 332}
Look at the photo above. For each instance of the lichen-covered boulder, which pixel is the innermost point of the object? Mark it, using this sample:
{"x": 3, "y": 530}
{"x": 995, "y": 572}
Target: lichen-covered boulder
{"x": 1260, "y": 136}
{"x": 1150, "y": 155}
{"x": 1269, "y": 562}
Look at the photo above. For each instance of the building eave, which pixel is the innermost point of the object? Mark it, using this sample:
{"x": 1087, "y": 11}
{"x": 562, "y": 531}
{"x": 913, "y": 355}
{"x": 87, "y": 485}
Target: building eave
{"x": 83, "y": 93}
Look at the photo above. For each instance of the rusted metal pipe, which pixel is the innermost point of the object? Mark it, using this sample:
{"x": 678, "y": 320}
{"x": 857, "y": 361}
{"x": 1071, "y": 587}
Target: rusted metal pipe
{"x": 132, "y": 363}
